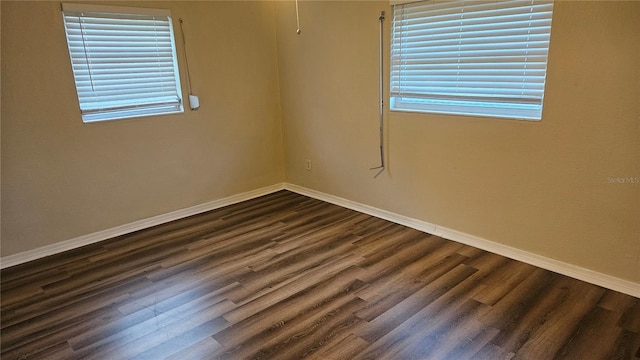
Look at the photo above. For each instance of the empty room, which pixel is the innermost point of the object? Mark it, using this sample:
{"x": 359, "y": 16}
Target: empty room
{"x": 298, "y": 179}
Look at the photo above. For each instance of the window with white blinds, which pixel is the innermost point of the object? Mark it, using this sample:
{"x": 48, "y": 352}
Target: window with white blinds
{"x": 124, "y": 61}
{"x": 485, "y": 58}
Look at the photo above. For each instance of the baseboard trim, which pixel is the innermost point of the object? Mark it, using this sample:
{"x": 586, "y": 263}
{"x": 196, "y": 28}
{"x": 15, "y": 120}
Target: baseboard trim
{"x": 95, "y": 237}
{"x": 580, "y": 273}
{"x": 576, "y": 272}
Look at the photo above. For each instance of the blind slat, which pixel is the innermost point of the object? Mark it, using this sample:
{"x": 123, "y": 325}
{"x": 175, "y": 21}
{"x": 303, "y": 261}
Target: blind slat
{"x": 486, "y": 54}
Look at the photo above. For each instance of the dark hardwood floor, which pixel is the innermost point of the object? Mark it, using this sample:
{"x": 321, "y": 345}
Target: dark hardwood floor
{"x": 289, "y": 277}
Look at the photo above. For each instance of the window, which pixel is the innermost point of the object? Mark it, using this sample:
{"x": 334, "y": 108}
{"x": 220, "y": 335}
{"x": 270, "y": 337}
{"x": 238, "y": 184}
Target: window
{"x": 124, "y": 61}
{"x": 486, "y": 58}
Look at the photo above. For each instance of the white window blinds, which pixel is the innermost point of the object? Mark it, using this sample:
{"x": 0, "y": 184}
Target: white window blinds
{"x": 124, "y": 61}
{"x": 486, "y": 58}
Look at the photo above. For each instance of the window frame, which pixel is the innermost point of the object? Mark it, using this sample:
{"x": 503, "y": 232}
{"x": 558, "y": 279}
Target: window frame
{"x": 428, "y": 68}
{"x": 119, "y": 99}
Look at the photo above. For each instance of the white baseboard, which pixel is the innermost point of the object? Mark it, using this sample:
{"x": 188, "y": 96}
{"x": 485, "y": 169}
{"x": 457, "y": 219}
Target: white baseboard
{"x": 576, "y": 272}
{"x": 95, "y": 237}
{"x": 580, "y": 273}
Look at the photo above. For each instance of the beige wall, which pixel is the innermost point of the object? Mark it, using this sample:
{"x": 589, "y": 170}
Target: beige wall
{"x": 62, "y": 178}
{"x": 542, "y": 187}
{"x": 539, "y": 186}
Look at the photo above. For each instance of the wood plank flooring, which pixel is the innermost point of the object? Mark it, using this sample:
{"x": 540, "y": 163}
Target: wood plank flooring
{"x": 289, "y": 277}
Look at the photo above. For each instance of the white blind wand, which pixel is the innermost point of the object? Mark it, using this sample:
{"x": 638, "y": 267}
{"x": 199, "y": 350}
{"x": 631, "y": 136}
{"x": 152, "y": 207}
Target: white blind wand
{"x": 298, "y": 31}
{"x": 194, "y": 102}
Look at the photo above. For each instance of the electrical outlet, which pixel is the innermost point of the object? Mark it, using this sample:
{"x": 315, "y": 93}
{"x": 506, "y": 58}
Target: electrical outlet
{"x": 307, "y": 165}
